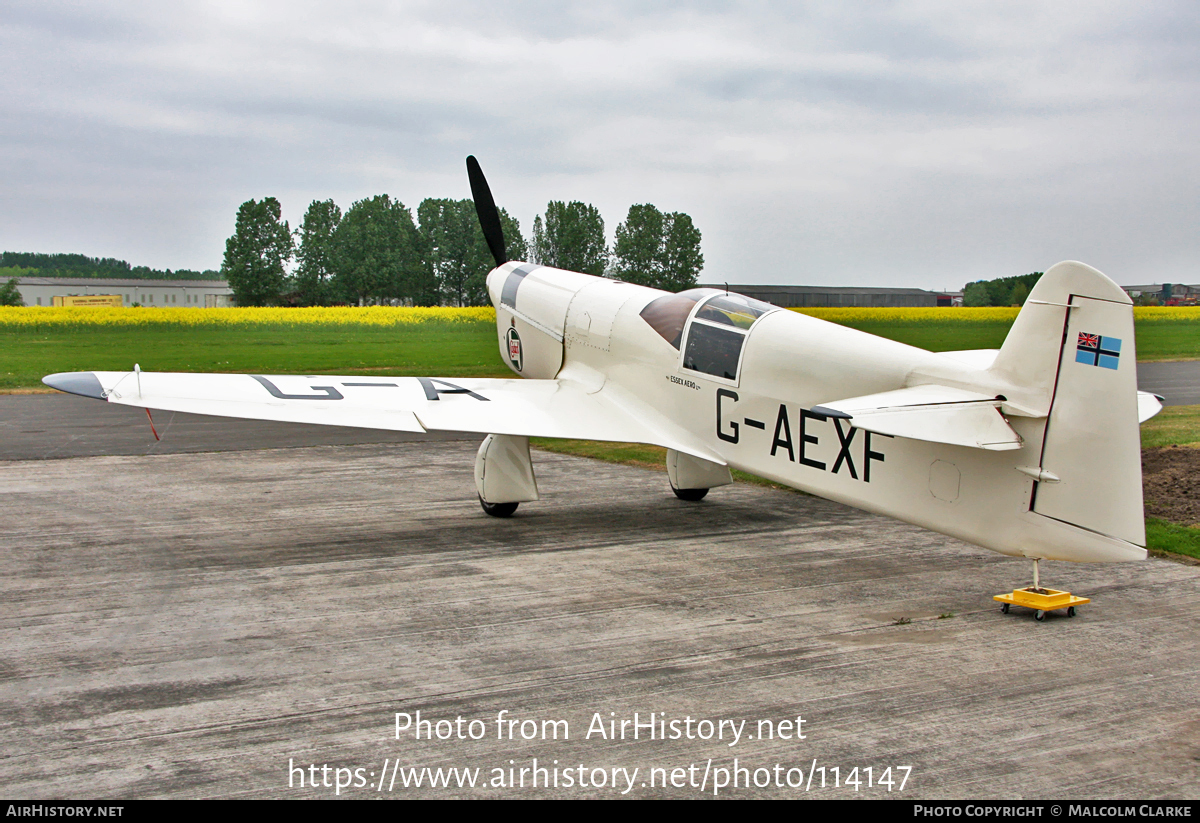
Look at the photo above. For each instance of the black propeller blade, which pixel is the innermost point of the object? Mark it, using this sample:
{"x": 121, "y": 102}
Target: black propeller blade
{"x": 485, "y": 207}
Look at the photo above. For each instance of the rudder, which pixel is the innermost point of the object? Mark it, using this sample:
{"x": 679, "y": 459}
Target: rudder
{"x": 1072, "y": 347}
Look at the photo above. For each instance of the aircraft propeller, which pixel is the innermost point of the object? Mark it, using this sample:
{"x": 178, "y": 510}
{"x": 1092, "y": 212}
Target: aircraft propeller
{"x": 485, "y": 207}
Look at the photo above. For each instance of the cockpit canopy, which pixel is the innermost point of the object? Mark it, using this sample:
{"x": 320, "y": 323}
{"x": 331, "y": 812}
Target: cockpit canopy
{"x": 719, "y": 324}
{"x": 669, "y": 314}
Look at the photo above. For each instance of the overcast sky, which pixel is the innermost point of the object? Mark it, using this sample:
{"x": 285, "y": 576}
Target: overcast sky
{"x": 878, "y": 144}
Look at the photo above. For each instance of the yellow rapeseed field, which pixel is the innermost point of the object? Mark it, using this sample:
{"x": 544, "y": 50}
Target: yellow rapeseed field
{"x": 333, "y": 316}
{"x": 1166, "y": 314}
{"x": 854, "y": 315}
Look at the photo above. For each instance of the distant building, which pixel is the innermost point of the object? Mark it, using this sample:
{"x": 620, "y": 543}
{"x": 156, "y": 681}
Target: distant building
{"x": 842, "y": 296}
{"x": 1167, "y": 294}
{"x": 41, "y": 291}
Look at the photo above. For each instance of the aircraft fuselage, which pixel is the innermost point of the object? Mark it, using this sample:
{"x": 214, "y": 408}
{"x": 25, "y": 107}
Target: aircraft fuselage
{"x": 744, "y": 385}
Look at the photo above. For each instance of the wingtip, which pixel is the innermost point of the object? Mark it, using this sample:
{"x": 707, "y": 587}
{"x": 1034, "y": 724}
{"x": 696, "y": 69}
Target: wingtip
{"x": 82, "y": 383}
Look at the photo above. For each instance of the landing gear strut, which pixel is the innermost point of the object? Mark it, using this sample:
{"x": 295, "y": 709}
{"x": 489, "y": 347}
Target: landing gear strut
{"x": 504, "y": 474}
{"x": 692, "y": 477}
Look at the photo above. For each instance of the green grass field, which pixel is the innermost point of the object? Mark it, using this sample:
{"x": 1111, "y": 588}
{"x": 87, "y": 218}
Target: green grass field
{"x": 1172, "y": 538}
{"x": 1155, "y": 341}
{"x": 1173, "y": 426}
{"x": 30, "y": 350}
{"x": 426, "y": 349}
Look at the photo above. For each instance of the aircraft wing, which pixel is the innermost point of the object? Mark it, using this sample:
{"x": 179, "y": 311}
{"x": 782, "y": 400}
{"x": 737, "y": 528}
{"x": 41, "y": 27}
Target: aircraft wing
{"x": 540, "y": 408}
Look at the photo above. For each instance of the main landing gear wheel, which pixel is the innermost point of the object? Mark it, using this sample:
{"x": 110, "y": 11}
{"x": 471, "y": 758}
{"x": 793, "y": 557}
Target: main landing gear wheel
{"x": 691, "y": 495}
{"x": 498, "y": 509}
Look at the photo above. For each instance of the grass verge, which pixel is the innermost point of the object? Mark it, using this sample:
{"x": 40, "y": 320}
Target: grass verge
{"x": 1173, "y": 426}
{"x": 1163, "y": 536}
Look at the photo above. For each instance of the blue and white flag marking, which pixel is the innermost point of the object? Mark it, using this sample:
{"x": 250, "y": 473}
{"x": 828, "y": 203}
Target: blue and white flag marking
{"x": 1095, "y": 350}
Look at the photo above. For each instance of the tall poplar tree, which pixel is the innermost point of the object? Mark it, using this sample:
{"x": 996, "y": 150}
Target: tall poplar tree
{"x": 570, "y": 237}
{"x": 638, "y": 247}
{"x": 378, "y": 255}
{"x": 314, "y": 276}
{"x": 458, "y": 252}
{"x": 682, "y": 260}
{"x": 514, "y": 241}
{"x": 256, "y": 254}
{"x": 657, "y": 250}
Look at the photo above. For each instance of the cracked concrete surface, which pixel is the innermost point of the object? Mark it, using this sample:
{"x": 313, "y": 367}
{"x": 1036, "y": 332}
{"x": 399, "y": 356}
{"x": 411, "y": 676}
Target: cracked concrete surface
{"x": 188, "y": 625}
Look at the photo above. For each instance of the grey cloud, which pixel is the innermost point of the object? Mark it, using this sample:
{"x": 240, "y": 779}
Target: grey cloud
{"x": 905, "y": 145}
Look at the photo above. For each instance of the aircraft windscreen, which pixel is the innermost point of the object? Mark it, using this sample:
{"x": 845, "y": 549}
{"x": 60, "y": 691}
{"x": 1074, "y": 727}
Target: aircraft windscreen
{"x": 715, "y": 351}
{"x": 733, "y": 310}
{"x": 718, "y": 331}
{"x": 667, "y": 315}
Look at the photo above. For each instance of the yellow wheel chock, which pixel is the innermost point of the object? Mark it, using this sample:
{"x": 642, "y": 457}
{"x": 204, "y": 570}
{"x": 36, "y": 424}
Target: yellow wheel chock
{"x": 1041, "y": 601}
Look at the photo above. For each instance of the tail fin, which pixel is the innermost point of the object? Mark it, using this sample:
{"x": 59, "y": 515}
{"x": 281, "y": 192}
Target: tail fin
{"x": 1071, "y": 352}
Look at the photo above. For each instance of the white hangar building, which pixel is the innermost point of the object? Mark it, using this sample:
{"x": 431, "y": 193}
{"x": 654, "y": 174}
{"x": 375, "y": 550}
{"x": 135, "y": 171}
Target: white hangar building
{"x": 41, "y": 291}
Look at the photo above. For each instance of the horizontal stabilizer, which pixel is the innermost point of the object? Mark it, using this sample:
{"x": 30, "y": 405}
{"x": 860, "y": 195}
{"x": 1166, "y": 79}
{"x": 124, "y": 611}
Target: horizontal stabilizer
{"x": 1148, "y": 405}
{"x": 938, "y": 414}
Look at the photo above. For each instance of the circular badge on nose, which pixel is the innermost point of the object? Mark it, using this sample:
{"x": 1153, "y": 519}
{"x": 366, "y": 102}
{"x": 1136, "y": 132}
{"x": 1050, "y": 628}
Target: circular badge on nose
{"x": 514, "y": 348}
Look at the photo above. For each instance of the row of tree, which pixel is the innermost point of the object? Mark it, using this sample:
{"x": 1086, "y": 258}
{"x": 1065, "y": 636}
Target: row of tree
{"x": 376, "y": 252}
{"x": 32, "y": 264}
{"x": 1003, "y": 291}
{"x": 650, "y": 248}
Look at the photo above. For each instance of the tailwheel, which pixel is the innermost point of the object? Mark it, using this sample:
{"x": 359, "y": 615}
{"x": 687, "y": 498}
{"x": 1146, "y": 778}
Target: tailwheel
{"x": 498, "y": 509}
{"x": 690, "y": 494}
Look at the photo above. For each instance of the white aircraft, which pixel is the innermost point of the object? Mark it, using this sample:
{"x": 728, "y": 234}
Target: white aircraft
{"x": 1032, "y": 450}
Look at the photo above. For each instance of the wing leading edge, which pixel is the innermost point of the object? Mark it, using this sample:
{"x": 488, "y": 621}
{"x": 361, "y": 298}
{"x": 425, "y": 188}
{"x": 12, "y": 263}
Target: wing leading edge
{"x": 537, "y": 408}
